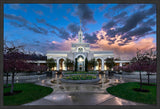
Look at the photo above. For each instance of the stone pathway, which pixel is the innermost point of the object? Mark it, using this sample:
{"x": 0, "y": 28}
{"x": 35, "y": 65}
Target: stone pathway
{"x": 79, "y": 94}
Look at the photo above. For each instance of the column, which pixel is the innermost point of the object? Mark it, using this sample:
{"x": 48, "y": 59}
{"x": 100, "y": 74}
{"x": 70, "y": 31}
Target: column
{"x": 57, "y": 64}
{"x": 120, "y": 64}
{"x": 38, "y": 64}
{"x": 96, "y": 65}
{"x": 64, "y": 67}
{"x": 102, "y": 65}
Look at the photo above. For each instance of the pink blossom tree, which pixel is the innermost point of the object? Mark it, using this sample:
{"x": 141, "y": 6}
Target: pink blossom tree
{"x": 142, "y": 62}
{"x": 150, "y": 63}
{"x": 6, "y": 70}
{"x": 127, "y": 68}
{"x": 42, "y": 68}
{"x": 117, "y": 68}
{"x": 13, "y": 62}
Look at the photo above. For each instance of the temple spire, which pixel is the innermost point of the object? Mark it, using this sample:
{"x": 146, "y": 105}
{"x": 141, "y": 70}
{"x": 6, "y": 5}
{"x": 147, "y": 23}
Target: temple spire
{"x": 80, "y": 24}
{"x": 80, "y": 34}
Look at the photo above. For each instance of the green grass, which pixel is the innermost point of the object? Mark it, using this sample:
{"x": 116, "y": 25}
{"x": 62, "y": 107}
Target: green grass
{"x": 30, "y": 92}
{"x": 126, "y": 91}
{"x": 80, "y": 77}
{"x": 80, "y": 73}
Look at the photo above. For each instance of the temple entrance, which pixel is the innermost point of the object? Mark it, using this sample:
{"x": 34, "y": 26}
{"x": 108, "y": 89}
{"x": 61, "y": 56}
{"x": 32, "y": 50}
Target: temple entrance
{"x": 81, "y": 64}
{"x": 80, "y": 67}
{"x": 61, "y": 64}
{"x": 99, "y": 65}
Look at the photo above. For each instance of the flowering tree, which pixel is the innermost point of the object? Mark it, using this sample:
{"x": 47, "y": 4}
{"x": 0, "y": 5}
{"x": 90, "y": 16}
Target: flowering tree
{"x": 41, "y": 68}
{"x": 14, "y": 62}
{"x": 6, "y": 69}
{"x": 127, "y": 68}
{"x": 151, "y": 63}
{"x": 142, "y": 63}
{"x": 117, "y": 68}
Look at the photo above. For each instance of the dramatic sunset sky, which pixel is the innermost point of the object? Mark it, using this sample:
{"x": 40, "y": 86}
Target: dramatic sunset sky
{"x": 119, "y": 27}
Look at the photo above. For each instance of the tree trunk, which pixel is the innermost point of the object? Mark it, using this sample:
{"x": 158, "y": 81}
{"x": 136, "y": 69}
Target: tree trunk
{"x": 140, "y": 80}
{"x": 12, "y": 84}
{"x": 7, "y": 80}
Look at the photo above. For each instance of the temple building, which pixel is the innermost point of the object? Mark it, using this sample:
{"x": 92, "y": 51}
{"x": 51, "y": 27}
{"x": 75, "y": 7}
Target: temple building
{"x": 80, "y": 50}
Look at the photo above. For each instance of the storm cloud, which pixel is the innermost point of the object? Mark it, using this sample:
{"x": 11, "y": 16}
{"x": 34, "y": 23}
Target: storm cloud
{"x": 120, "y": 6}
{"x": 84, "y": 13}
{"x": 17, "y": 18}
{"x": 134, "y": 25}
{"x": 22, "y": 22}
{"x": 73, "y": 28}
{"x": 138, "y": 32}
{"x": 108, "y": 25}
{"x": 132, "y": 22}
{"x": 91, "y": 38}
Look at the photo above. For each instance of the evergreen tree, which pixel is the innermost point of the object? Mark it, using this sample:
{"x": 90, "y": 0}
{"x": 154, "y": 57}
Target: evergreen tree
{"x": 86, "y": 64}
{"x": 110, "y": 63}
{"x": 51, "y": 63}
{"x": 76, "y": 64}
{"x": 68, "y": 63}
{"x": 92, "y": 63}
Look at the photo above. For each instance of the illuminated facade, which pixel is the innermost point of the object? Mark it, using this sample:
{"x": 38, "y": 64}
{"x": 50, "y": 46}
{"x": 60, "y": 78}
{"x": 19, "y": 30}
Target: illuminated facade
{"x": 80, "y": 50}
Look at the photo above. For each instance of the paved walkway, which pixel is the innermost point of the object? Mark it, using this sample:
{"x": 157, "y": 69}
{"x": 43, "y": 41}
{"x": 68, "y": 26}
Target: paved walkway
{"x": 80, "y": 94}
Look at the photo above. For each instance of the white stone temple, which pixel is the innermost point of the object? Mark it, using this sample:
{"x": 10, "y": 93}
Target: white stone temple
{"x": 80, "y": 50}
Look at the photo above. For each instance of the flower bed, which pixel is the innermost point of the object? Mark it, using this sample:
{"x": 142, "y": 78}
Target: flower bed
{"x": 80, "y": 73}
{"x": 80, "y": 79}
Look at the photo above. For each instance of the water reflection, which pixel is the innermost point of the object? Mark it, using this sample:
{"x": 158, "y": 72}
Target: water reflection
{"x": 100, "y": 76}
{"x": 57, "y": 76}
{"x": 42, "y": 81}
{"x": 41, "y": 78}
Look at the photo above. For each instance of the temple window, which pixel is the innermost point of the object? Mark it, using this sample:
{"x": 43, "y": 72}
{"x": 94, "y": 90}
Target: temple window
{"x": 80, "y": 49}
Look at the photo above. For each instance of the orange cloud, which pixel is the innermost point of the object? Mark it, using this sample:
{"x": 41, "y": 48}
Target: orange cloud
{"x": 125, "y": 52}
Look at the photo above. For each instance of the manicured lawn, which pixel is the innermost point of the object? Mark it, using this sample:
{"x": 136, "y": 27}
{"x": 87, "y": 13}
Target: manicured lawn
{"x": 30, "y": 92}
{"x": 126, "y": 91}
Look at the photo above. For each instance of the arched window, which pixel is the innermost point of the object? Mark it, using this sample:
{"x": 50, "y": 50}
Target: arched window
{"x": 80, "y": 49}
